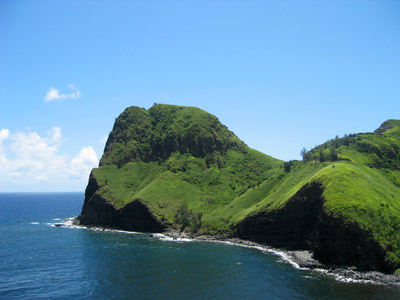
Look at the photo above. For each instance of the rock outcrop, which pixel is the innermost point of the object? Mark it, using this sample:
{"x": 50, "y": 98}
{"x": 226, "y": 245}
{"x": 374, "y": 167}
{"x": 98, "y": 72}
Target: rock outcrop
{"x": 135, "y": 216}
{"x": 304, "y": 224}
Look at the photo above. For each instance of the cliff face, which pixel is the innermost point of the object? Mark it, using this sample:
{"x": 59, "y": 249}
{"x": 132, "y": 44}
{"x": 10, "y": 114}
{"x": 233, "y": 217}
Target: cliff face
{"x": 174, "y": 167}
{"x": 135, "y": 216}
{"x": 304, "y": 224}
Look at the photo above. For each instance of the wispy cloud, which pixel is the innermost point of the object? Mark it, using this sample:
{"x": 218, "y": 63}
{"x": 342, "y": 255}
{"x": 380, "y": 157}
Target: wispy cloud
{"x": 102, "y": 141}
{"x": 53, "y": 94}
{"x": 26, "y": 157}
{"x": 81, "y": 164}
{"x": 4, "y": 134}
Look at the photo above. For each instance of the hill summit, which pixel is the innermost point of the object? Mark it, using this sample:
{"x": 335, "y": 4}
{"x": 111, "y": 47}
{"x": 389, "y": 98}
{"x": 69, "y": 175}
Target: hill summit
{"x": 154, "y": 134}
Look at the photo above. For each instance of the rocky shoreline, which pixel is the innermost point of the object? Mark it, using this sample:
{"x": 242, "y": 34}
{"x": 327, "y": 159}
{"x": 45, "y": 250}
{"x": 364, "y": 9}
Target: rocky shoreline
{"x": 302, "y": 259}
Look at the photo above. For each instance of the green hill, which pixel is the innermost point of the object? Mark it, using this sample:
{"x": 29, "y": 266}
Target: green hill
{"x": 357, "y": 219}
{"x": 179, "y": 167}
{"x": 175, "y": 159}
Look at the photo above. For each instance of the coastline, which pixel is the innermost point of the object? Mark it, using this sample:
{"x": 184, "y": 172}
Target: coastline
{"x": 299, "y": 259}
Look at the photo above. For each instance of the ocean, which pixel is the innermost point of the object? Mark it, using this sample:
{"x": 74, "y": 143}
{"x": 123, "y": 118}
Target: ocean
{"x": 41, "y": 261}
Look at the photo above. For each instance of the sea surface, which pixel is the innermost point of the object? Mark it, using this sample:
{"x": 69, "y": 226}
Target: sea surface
{"x": 40, "y": 261}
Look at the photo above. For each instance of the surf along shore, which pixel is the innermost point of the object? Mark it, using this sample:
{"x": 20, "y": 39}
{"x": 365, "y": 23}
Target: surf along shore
{"x": 301, "y": 259}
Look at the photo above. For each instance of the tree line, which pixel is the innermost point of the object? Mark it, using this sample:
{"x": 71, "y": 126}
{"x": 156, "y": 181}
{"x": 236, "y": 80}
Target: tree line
{"x": 327, "y": 151}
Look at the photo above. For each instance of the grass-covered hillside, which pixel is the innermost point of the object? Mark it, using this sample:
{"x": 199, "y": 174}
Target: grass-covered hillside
{"x": 191, "y": 173}
{"x": 181, "y": 162}
{"x": 360, "y": 178}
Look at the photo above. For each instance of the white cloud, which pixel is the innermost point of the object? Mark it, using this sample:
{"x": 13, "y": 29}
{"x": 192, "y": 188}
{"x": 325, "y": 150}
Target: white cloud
{"x": 26, "y": 157}
{"x": 4, "y": 134}
{"x": 55, "y": 134}
{"x": 54, "y": 94}
{"x": 82, "y": 164}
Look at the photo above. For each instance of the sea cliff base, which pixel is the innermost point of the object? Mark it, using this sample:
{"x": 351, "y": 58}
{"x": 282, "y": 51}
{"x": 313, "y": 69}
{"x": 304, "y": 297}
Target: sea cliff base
{"x": 300, "y": 259}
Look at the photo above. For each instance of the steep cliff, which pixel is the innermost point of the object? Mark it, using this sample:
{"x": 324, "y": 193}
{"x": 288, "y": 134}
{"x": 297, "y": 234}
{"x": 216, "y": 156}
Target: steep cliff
{"x": 134, "y": 216}
{"x": 304, "y": 224}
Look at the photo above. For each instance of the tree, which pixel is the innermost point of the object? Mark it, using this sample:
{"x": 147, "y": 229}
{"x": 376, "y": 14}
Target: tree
{"x": 182, "y": 217}
{"x": 321, "y": 156}
{"x": 307, "y": 156}
{"x": 303, "y": 153}
{"x": 335, "y": 142}
{"x": 333, "y": 155}
{"x": 188, "y": 219}
{"x": 287, "y": 165}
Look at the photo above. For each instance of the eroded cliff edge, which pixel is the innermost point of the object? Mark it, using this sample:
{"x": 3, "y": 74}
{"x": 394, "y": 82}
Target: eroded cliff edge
{"x": 304, "y": 224}
{"x": 134, "y": 216}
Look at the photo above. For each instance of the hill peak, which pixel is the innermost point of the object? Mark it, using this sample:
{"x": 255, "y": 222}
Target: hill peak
{"x": 153, "y": 134}
{"x": 388, "y": 125}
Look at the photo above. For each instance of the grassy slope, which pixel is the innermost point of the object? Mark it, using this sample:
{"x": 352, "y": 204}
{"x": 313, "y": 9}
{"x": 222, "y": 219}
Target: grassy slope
{"x": 172, "y": 156}
{"x": 185, "y": 180}
{"x": 364, "y": 195}
{"x": 362, "y": 187}
{"x": 366, "y": 189}
{"x": 225, "y": 187}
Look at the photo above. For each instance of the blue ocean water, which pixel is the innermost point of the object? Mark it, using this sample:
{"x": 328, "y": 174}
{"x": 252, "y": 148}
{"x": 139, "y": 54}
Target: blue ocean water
{"x": 39, "y": 261}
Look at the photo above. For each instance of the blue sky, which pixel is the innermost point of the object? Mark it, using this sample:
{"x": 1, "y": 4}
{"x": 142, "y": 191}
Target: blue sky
{"x": 281, "y": 74}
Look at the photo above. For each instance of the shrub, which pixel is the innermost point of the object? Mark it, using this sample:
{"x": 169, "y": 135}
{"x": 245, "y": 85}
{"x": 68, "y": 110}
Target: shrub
{"x": 188, "y": 219}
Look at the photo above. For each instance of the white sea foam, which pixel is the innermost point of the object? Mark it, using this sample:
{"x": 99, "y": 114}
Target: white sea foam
{"x": 34, "y": 223}
{"x": 165, "y": 238}
{"x": 353, "y": 280}
{"x": 285, "y": 257}
{"x": 65, "y": 222}
{"x": 69, "y": 223}
{"x": 121, "y": 231}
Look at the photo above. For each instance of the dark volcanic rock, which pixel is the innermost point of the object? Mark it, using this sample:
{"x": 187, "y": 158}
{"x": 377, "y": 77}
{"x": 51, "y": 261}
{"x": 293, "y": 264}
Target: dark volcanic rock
{"x": 135, "y": 216}
{"x": 384, "y": 127}
{"x": 303, "y": 224}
